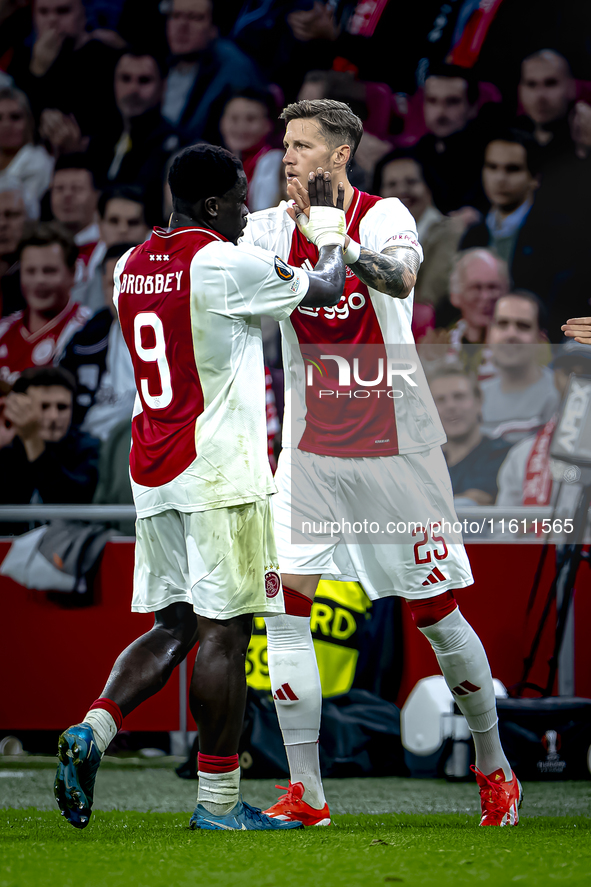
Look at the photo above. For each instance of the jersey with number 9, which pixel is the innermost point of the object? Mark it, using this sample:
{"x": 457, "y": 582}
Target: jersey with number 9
{"x": 189, "y": 304}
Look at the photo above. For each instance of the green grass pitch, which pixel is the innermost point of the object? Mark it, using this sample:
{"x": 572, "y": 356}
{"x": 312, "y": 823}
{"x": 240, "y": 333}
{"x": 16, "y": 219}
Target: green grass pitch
{"x": 139, "y": 836}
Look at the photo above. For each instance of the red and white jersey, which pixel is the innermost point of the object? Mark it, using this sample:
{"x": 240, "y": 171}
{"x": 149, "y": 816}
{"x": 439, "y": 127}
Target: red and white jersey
{"x": 190, "y": 303}
{"x": 323, "y": 414}
{"x": 20, "y": 349}
{"x": 86, "y": 240}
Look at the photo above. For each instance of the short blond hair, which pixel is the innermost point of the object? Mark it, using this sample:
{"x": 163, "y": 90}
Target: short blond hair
{"x": 337, "y": 122}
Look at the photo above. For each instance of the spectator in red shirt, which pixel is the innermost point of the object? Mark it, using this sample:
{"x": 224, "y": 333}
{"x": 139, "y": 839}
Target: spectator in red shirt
{"x": 37, "y": 335}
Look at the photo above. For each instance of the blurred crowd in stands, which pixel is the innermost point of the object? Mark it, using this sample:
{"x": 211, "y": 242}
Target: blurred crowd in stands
{"x": 477, "y": 116}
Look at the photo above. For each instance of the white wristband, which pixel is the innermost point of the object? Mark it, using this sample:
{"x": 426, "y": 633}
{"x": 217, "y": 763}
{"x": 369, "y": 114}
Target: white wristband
{"x": 352, "y": 253}
{"x": 330, "y": 238}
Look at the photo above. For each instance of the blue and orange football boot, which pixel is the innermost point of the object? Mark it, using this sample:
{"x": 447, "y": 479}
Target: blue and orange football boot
{"x": 242, "y": 817}
{"x": 79, "y": 760}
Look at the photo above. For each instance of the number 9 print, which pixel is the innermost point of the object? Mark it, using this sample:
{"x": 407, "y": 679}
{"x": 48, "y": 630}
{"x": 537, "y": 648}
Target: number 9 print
{"x": 156, "y": 354}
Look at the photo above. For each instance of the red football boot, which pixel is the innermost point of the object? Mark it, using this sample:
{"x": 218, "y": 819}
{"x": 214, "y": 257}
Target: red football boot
{"x": 499, "y": 800}
{"x": 290, "y": 807}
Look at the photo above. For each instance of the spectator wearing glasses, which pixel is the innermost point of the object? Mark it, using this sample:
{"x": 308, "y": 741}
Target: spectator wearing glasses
{"x": 478, "y": 280}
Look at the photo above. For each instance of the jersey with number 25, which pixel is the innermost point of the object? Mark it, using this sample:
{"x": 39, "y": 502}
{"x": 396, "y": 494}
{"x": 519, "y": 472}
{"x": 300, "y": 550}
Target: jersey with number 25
{"x": 189, "y": 304}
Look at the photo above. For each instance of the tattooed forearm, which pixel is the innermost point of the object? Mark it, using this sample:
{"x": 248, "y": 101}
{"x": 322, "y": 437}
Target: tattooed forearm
{"x": 393, "y": 271}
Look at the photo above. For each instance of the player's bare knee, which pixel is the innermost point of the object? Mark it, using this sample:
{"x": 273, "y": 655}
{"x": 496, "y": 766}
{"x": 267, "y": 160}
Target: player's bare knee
{"x": 179, "y": 621}
{"x": 229, "y": 637}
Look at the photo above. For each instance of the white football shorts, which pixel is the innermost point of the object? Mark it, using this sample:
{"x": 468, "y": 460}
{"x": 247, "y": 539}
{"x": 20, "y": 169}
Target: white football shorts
{"x": 386, "y": 522}
{"x": 223, "y": 562}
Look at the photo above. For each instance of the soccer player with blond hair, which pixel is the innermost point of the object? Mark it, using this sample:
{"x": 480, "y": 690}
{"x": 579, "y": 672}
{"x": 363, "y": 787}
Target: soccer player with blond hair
{"x": 365, "y": 456}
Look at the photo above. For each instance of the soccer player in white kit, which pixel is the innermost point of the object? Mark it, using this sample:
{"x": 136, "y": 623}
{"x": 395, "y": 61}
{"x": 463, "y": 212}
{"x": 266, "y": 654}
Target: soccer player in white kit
{"x": 190, "y": 303}
{"x": 374, "y": 460}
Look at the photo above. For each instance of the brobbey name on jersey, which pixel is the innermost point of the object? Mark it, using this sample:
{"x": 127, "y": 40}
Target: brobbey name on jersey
{"x": 150, "y": 283}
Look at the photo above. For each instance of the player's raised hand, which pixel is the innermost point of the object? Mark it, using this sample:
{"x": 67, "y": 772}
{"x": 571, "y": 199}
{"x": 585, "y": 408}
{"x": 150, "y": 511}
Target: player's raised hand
{"x": 326, "y": 225}
{"x": 320, "y": 190}
{"x": 301, "y": 198}
{"x": 579, "y": 329}
{"x": 46, "y": 49}
{"x": 61, "y": 131}
{"x": 24, "y": 414}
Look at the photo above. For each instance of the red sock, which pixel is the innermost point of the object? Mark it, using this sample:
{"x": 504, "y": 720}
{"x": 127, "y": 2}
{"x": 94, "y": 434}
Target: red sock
{"x": 111, "y": 707}
{"x": 216, "y": 764}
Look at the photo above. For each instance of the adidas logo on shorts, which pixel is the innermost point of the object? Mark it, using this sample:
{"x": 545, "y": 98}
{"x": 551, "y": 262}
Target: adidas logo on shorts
{"x": 434, "y": 577}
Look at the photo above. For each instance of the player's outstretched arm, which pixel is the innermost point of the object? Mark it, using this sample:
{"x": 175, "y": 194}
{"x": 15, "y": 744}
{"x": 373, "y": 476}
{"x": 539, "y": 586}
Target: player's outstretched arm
{"x": 326, "y": 230}
{"x": 393, "y": 271}
{"x": 579, "y": 329}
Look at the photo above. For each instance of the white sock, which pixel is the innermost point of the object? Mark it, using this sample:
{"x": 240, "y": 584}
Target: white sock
{"x": 219, "y": 792}
{"x": 103, "y": 726}
{"x": 465, "y": 667}
{"x": 295, "y": 684}
{"x": 304, "y": 767}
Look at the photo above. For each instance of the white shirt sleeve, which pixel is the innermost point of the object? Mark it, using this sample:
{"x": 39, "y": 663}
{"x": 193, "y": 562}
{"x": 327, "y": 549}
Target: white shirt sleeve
{"x": 389, "y": 223}
{"x": 117, "y": 277}
{"x": 246, "y": 281}
{"x": 270, "y": 229}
